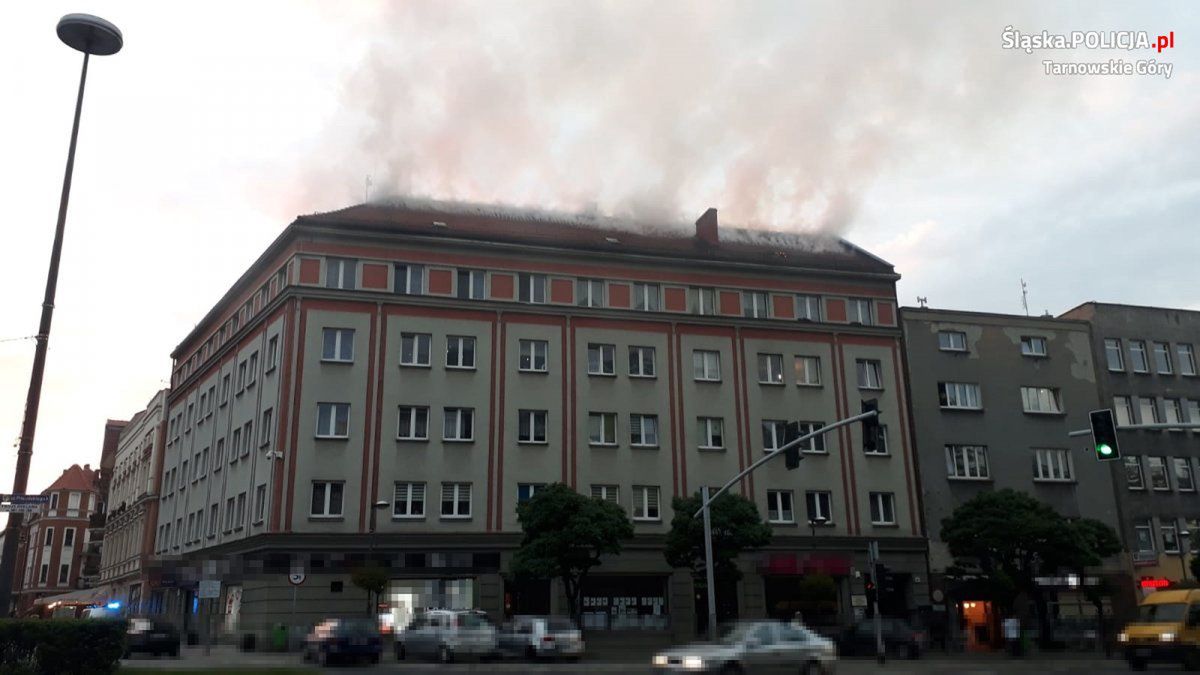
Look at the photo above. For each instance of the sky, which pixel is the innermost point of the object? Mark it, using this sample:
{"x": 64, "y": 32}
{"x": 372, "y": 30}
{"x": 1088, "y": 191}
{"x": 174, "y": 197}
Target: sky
{"x": 907, "y": 128}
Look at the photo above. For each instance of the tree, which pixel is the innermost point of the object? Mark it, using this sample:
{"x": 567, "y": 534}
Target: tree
{"x": 736, "y": 527}
{"x": 1013, "y": 538}
{"x": 373, "y": 579}
{"x": 565, "y": 536}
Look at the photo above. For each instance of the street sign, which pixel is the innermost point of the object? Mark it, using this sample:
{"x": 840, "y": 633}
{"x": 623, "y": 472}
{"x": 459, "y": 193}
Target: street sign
{"x": 296, "y": 578}
{"x": 858, "y": 601}
{"x": 209, "y": 588}
{"x": 20, "y": 508}
{"x": 36, "y": 500}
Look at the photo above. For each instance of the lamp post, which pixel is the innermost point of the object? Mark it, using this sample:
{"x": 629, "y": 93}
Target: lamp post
{"x": 375, "y": 508}
{"x": 90, "y": 35}
{"x": 813, "y": 524}
{"x": 1183, "y": 551}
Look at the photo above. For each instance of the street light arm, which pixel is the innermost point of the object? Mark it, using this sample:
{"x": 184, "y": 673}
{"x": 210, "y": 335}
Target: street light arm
{"x": 778, "y": 451}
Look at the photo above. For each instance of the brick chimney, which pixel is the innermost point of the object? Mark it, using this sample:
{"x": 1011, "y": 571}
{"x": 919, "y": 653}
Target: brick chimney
{"x": 706, "y": 227}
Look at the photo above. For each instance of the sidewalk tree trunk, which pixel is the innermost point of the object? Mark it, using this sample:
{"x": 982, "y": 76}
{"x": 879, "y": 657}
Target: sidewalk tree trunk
{"x": 373, "y": 579}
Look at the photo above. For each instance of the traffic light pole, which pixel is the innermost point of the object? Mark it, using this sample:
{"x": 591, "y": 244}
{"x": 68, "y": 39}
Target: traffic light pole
{"x": 708, "y": 497}
{"x": 1135, "y": 427}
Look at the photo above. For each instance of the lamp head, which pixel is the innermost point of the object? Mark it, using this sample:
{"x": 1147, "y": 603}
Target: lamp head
{"x": 90, "y": 34}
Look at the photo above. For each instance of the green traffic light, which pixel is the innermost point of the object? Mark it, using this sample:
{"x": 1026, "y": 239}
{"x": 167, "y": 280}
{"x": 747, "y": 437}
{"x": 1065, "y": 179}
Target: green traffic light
{"x": 1104, "y": 449}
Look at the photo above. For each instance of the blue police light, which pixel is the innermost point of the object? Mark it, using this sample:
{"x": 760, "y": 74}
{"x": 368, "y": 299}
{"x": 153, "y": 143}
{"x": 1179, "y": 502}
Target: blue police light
{"x": 115, "y": 604}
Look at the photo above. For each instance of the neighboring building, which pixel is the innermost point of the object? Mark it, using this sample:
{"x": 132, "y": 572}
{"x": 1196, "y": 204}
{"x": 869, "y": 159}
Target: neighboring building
{"x": 450, "y": 361}
{"x": 1146, "y": 359}
{"x": 89, "y": 575}
{"x": 993, "y": 399}
{"x": 133, "y": 508}
{"x": 54, "y": 545}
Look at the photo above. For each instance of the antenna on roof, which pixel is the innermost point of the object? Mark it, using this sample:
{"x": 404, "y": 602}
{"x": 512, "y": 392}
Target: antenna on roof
{"x": 1025, "y": 297}
{"x": 922, "y": 301}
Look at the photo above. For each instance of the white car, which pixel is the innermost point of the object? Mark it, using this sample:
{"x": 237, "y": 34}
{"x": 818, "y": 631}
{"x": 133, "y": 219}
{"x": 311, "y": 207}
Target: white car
{"x": 541, "y": 637}
{"x": 447, "y": 634}
{"x": 753, "y": 647}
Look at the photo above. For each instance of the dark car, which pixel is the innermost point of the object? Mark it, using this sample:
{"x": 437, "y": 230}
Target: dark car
{"x": 899, "y": 639}
{"x": 151, "y": 636}
{"x": 342, "y": 640}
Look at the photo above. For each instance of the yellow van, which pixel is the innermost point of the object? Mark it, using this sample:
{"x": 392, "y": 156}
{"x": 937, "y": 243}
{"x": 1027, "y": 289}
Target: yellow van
{"x": 1167, "y": 629}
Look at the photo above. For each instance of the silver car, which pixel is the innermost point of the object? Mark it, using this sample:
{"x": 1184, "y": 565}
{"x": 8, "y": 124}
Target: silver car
{"x": 753, "y": 647}
{"x": 446, "y": 634}
{"x": 541, "y": 637}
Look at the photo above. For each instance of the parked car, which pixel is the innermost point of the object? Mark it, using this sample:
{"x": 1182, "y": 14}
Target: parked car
{"x": 753, "y": 647}
{"x": 541, "y": 637}
{"x": 335, "y": 640}
{"x": 151, "y": 636}
{"x": 447, "y": 634}
{"x": 899, "y": 639}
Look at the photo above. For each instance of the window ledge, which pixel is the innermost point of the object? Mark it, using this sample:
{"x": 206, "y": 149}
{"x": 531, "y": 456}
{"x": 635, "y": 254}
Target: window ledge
{"x": 520, "y": 442}
{"x": 949, "y": 408}
{"x": 782, "y": 523}
{"x": 460, "y": 518}
{"x": 895, "y": 525}
{"x": 1035, "y": 356}
{"x": 647, "y": 520}
{"x": 707, "y": 380}
{"x": 810, "y": 385}
{"x": 319, "y": 437}
{"x": 953, "y": 351}
{"x": 814, "y": 452}
{"x": 534, "y": 372}
{"x": 415, "y": 365}
{"x": 969, "y": 479}
{"x": 458, "y": 440}
{"x": 324, "y": 360}
{"x": 876, "y": 454}
{"x": 323, "y": 519}
{"x": 1045, "y": 413}
{"x": 870, "y": 388}
{"x": 396, "y": 518}
{"x": 413, "y": 439}
{"x": 268, "y": 371}
{"x": 591, "y": 374}
{"x": 771, "y": 384}
{"x": 644, "y": 446}
{"x": 642, "y": 377}
{"x": 258, "y": 522}
{"x": 706, "y": 448}
{"x": 602, "y": 445}
{"x": 1055, "y": 481}
{"x": 470, "y": 368}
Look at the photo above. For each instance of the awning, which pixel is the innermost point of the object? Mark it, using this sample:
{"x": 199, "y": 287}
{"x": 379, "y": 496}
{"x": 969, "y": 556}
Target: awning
{"x": 85, "y": 596}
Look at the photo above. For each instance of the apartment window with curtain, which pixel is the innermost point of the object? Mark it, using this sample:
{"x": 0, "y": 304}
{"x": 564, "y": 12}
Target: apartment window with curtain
{"x": 703, "y": 301}
{"x": 532, "y": 288}
{"x": 608, "y": 493}
{"x": 326, "y": 502}
{"x": 643, "y": 430}
{"x": 1184, "y": 479}
{"x": 413, "y": 424}
{"x": 414, "y": 349}
{"x": 754, "y": 305}
{"x": 1159, "y": 480}
{"x": 858, "y": 310}
{"x": 460, "y": 352}
{"x": 1123, "y": 410}
{"x": 589, "y": 293}
{"x": 1187, "y": 359}
{"x": 340, "y": 273}
{"x": 1052, "y": 465}
{"x": 1134, "y": 480}
{"x": 645, "y": 502}
{"x": 333, "y": 421}
{"x": 1033, "y": 345}
{"x": 602, "y": 428}
{"x": 458, "y": 425}
{"x": 531, "y": 426}
{"x": 408, "y": 500}
{"x": 808, "y": 371}
{"x": 779, "y": 507}
{"x": 409, "y": 279}
{"x": 641, "y": 362}
{"x": 770, "y": 368}
{"x": 1137, "y": 355}
{"x": 533, "y": 357}
{"x": 1114, "y": 355}
{"x": 602, "y": 359}
{"x": 808, "y": 308}
{"x": 1143, "y": 534}
{"x": 952, "y": 341}
{"x": 870, "y": 374}
{"x": 337, "y": 345}
{"x": 1149, "y": 411}
{"x": 1162, "y": 358}
{"x": 706, "y": 366}
{"x": 456, "y": 500}
{"x": 967, "y": 462}
{"x": 471, "y": 285}
{"x": 883, "y": 508}
{"x": 1046, "y": 400}
{"x": 711, "y": 432}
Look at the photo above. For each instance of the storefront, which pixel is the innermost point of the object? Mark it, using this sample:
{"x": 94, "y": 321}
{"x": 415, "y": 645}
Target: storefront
{"x": 814, "y": 586}
{"x": 625, "y": 603}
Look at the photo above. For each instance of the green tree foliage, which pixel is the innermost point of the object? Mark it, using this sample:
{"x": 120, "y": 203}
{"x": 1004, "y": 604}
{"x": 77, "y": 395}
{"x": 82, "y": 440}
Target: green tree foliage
{"x": 373, "y": 579}
{"x": 736, "y": 527}
{"x": 565, "y": 536}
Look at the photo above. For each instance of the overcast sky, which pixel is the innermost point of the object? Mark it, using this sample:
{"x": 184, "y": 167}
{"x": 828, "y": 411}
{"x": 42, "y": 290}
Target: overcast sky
{"x": 908, "y": 130}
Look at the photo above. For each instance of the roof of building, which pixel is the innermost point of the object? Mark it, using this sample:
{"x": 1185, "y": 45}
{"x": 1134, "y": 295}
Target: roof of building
{"x": 1144, "y": 308}
{"x": 77, "y": 477}
{"x": 996, "y": 317}
{"x": 601, "y": 234}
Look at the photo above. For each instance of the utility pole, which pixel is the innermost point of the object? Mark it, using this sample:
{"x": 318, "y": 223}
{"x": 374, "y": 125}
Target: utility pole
{"x": 708, "y": 568}
{"x": 876, "y": 574}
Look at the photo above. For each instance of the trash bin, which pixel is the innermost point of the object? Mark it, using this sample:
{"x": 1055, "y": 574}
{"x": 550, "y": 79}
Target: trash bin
{"x": 248, "y": 640}
{"x": 279, "y": 638}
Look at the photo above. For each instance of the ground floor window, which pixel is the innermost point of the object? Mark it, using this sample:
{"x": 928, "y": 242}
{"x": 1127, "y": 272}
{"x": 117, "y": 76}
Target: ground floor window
{"x": 625, "y": 603}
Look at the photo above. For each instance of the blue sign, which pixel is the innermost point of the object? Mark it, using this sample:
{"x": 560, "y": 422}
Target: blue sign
{"x": 25, "y": 499}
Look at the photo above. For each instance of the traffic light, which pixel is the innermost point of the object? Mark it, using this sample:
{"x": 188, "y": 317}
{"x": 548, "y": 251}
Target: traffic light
{"x": 1104, "y": 435}
{"x": 791, "y": 456}
{"x": 870, "y": 426}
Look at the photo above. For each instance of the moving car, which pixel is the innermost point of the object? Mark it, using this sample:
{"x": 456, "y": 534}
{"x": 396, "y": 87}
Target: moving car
{"x": 151, "y": 636}
{"x": 335, "y": 640}
{"x": 447, "y": 634}
{"x": 899, "y": 639}
{"x": 753, "y": 647}
{"x": 1167, "y": 630}
{"x": 541, "y": 637}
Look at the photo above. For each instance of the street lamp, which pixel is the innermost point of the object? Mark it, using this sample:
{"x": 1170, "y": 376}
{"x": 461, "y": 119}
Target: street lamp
{"x": 90, "y": 35}
{"x": 813, "y": 524}
{"x": 376, "y": 507}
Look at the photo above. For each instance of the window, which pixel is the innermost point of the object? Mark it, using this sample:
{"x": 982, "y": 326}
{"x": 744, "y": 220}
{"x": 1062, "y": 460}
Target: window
{"x": 1173, "y": 410}
{"x": 967, "y": 462}
{"x": 1184, "y": 480}
{"x": 64, "y": 573}
{"x": 706, "y": 366}
{"x": 645, "y": 297}
{"x": 43, "y": 573}
{"x": 214, "y": 519}
{"x": 531, "y": 426}
{"x": 260, "y": 502}
{"x": 53, "y": 501}
{"x": 869, "y": 374}
{"x": 1162, "y": 358}
{"x": 471, "y": 284}
{"x": 458, "y": 424}
{"x": 712, "y": 433}
{"x": 608, "y": 493}
{"x": 1149, "y": 410}
{"x": 183, "y": 476}
{"x": 808, "y": 308}
{"x": 1052, "y": 465}
{"x": 1041, "y": 400}
{"x": 814, "y": 444}
{"x": 808, "y": 371}
{"x": 773, "y": 433}
{"x": 326, "y": 500}
{"x": 1137, "y": 355}
{"x": 264, "y": 429}
{"x": 460, "y": 352}
{"x": 269, "y": 362}
{"x": 704, "y": 301}
{"x": 1144, "y": 534}
{"x": 532, "y": 288}
{"x": 602, "y": 359}
{"x": 1187, "y": 359}
{"x": 770, "y": 368}
{"x": 643, "y": 430}
{"x": 225, "y": 386}
{"x": 414, "y": 349}
{"x": 1114, "y": 355}
{"x": 589, "y": 293}
{"x": 1158, "y": 473}
{"x": 858, "y": 310}
{"x": 409, "y": 500}
{"x": 534, "y": 356}
{"x": 1193, "y": 411}
{"x": 219, "y": 456}
{"x": 1133, "y": 473}
{"x": 525, "y": 491}
{"x": 602, "y": 428}
{"x": 241, "y": 510}
{"x": 952, "y": 341}
{"x": 414, "y": 423}
{"x": 819, "y": 505}
{"x": 337, "y": 345}
{"x": 333, "y": 421}
{"x": 645, "y": 502}
{"x": 1033, "y": 345}
{"x": 253, "y": 374}
{"x": 456, "y": 500}
{"x": 410, "y": 279}
{"x": 340, "y": 273}
{"x": 1123, "y": 409}
{"x": 248, "y": 437}
{"x": 962, "y": 395}
{"x": 779, "y": 507}
{"x": 1170, "y": 536}
{"x": 68, "y": 537}
{"x": 883, "y": 508}
{"x": 641, "y": 361}
{"x": 241, "y": 386}
{"x": 754, "y": 305}
{"x": 881, "y": 443}
{"x": 49, "y": 540}
{"x": 202, "y": 465}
